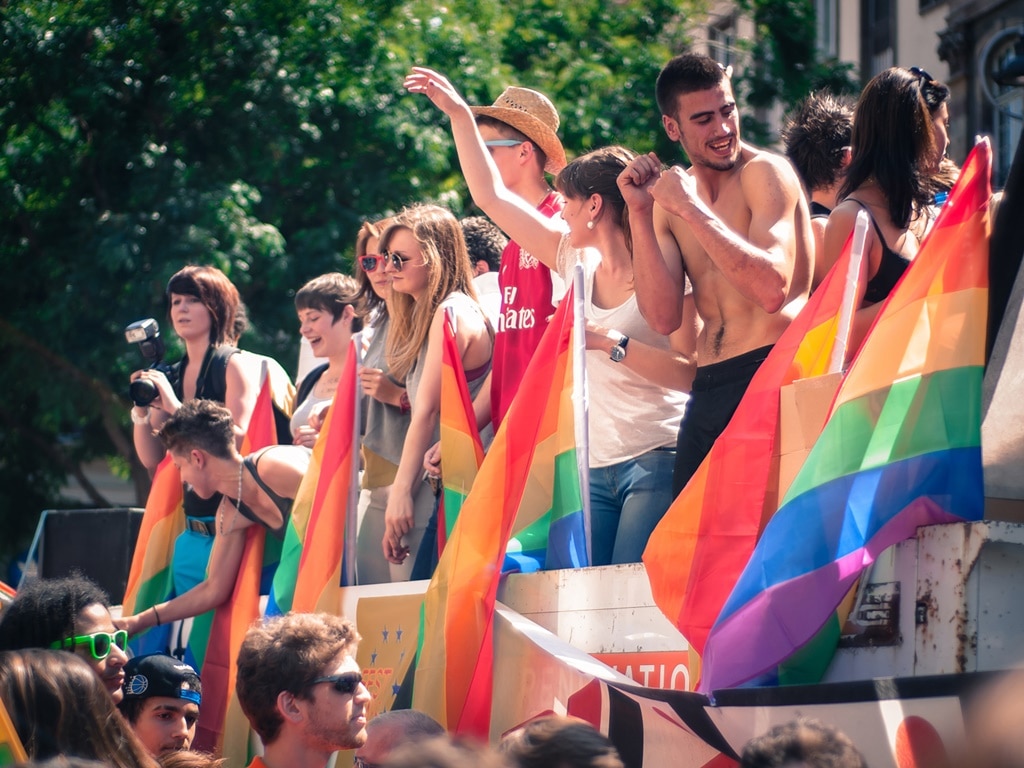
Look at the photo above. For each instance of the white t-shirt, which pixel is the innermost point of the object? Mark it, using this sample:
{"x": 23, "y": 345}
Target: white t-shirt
{"x": 628, "y": 414}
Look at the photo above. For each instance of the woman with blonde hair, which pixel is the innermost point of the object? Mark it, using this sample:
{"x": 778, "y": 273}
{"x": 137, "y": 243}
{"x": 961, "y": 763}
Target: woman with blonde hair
{"x": 425, "y": 254}
{"x": 386, "y": 415}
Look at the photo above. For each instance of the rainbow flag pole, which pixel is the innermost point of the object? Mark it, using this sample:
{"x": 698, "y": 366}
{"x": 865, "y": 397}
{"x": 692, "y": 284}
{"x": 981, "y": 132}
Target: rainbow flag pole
{"x": 901, "y": 448}
{"x": 214, "y": 643}
{"x": 318, "y": 550}
{"x": 529, "y": 479}
{"x": 462, "y": 453}
{"x": 705, "y": 539}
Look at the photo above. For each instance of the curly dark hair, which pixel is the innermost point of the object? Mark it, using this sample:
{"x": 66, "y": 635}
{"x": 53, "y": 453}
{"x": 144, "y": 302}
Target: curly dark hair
{"x": 484, "y": 240}
{"x": 44, "y": 611}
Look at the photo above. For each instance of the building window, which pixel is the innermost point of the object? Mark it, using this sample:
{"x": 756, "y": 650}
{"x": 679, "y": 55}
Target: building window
{"x": 721, "y": 41}
{"x": 878, "y": 36}
{"x": 1008, "y": 117}
{"x": 827, "y": 14}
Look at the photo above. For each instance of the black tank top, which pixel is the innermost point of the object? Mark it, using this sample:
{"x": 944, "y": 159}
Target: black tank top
{"x": 284, "y": 506}
{"x": 890, "y": 268}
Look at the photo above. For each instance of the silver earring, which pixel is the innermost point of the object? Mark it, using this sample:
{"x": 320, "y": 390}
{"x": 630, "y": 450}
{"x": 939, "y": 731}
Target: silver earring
{"x": 590, "y": 224}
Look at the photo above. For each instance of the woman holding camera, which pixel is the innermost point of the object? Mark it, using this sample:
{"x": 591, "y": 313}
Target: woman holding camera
{"x": 204, "y": 306}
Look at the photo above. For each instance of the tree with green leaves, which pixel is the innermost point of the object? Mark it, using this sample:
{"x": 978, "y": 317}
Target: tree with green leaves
{"x": 254, "y": 136}
{"x": 783, "y": 63}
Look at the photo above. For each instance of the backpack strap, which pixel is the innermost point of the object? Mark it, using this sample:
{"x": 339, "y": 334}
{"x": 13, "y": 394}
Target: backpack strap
{"x": 308, "y": 382}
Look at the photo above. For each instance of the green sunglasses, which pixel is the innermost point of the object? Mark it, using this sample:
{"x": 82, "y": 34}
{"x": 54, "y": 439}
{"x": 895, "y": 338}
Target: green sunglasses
{"x": 100, "y": 643}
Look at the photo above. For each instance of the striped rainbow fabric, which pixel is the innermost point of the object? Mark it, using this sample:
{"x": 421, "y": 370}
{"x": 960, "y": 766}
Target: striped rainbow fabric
{"x": 320, "y": 538}
{"x": 461, "y": 449}
{"x": 901, "y": 448}
{"x": 150, "y": 581}
{"x": 223, "y": 728}
{"x": 700, "y": 547}
{"x": 528, "y": 475}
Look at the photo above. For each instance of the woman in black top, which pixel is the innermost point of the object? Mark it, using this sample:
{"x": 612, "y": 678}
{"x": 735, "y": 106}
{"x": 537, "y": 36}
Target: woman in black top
{"x": 894, "y": 155}
{"x": 254, "y": 490}
{"x": 203, "y": 309}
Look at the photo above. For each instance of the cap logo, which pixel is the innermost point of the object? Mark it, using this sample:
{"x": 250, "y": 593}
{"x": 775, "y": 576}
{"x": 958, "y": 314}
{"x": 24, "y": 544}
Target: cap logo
{"x": 136, "y": 685}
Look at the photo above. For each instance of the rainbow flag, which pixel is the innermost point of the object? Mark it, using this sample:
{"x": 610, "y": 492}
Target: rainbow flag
{"x": 901, "y": 448}
{"x": 461, "y": 449}
{"x": 215, "y": 639}
{"x": 320, "y": 539}
{"x": 150, "y": 580}
{"x": 11, "y": 750}
{"x": 700, "y": 547}
{"x": 530, "y": 474}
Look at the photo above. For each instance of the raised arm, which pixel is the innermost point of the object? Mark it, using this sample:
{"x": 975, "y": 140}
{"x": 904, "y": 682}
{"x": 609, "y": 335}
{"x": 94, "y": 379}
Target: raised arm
{"x": 761, "y": 265}
{"x": 657, "y": 260}
{"x": 535, "y": 233}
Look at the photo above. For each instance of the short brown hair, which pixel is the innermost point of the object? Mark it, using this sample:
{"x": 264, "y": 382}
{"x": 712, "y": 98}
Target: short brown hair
{"x": 201, "y": 424}
{"x": 330, "y": 292}
{"x": 216, "y": 292}
{"x": 686, "y": 73}
{"x": 806, "y": 741}
{"x": 286, "y": 653}
{"x": 559, "y": 740}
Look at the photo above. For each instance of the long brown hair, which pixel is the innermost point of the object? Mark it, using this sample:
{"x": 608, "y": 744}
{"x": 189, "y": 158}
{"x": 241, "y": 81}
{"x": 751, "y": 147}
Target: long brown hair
{"x": 448, "y": 271}
{"x": 892, "y": 142}
{"x": 59, "y": 707}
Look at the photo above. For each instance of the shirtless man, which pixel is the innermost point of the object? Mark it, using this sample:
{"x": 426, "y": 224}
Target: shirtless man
{"x": 736, "y": 225}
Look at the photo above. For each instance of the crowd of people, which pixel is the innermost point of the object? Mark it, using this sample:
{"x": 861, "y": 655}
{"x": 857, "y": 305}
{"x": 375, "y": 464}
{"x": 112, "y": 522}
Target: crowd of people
{"x": 690, "y": 276}
{"x": 74, "y": 699}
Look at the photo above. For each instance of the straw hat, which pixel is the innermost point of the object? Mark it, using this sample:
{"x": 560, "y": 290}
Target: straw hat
{"x": 532, "y": 114}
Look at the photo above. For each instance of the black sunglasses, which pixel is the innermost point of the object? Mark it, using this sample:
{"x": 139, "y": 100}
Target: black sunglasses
{"x": 921, "y": 74}
{"x": 345, "y": 684}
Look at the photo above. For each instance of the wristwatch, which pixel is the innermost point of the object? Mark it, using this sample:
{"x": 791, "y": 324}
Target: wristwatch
{"x": 618, "y": 352}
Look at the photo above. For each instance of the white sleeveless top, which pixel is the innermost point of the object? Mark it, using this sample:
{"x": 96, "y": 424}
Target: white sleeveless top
{"x": 628, "y": 414}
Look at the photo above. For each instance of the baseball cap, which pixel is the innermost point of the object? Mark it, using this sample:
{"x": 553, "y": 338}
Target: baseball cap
{"x": 157, "y": 674}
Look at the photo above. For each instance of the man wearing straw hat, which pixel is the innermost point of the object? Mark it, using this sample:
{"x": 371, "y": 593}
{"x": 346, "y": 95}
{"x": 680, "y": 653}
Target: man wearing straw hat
{"x": 519, "y": 129}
